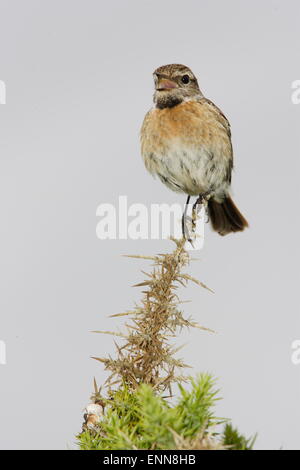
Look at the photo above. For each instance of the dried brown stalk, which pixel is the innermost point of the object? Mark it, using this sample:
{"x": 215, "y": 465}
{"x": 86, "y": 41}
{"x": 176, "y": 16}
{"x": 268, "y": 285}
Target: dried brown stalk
{"x": 146, "y": 357}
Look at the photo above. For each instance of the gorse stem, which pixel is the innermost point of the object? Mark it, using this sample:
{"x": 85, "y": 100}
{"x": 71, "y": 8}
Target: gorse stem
{"x": 147, "y": 357}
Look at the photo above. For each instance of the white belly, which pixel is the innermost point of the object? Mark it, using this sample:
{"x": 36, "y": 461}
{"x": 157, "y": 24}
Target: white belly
{"x": 191, "y": 171}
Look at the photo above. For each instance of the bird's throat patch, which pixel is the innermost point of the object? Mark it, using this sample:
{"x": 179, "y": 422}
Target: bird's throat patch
{"x": 167, "y": 100}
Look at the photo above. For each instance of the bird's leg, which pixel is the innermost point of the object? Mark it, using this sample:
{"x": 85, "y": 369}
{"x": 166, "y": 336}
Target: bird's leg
{"x": 183, "y": 220}
{"x": 202, "y": 199}
{"x": 194, "y": 214}
{"x": 195, "y": 210}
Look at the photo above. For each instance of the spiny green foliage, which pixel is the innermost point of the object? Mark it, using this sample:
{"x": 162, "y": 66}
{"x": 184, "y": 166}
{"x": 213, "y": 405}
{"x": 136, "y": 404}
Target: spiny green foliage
{"x": 235, "y": 440}
{"x": 142, "y": 419}
{"x": 197, "y": 406}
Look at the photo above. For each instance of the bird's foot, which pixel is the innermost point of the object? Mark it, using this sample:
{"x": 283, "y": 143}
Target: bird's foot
{"x": 186, "y": 233}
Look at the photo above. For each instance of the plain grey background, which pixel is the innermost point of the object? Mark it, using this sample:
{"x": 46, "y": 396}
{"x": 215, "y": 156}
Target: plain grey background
{"x": 79, "y": 81}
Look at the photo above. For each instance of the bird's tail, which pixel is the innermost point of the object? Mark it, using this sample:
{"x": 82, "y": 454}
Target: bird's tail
{"x": 225, "y": 216}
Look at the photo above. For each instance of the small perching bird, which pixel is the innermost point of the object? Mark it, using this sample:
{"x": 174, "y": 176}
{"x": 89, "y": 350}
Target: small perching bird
{"x": 186, "y": 142}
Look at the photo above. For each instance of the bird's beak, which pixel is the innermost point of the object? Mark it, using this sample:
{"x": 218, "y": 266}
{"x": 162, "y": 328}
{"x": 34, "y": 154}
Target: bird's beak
{"x": 166, "y": 84}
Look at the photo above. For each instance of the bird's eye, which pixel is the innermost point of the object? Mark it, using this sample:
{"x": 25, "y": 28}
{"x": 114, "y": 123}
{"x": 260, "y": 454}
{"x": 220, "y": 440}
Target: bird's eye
{"x": 185, "y": 79}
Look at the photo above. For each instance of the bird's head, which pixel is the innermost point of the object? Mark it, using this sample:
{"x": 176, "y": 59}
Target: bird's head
{"x": 174, "y": 84}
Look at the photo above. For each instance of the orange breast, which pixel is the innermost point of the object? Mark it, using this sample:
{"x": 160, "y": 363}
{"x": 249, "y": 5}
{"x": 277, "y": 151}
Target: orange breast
{"x": 193, "y": 123}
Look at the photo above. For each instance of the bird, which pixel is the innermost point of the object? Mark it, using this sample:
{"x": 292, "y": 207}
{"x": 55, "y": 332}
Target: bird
{"x": 186, "y": 142}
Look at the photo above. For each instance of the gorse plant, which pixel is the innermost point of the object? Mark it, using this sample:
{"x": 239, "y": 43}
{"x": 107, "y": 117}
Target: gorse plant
{"x": 135, "y": 413}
